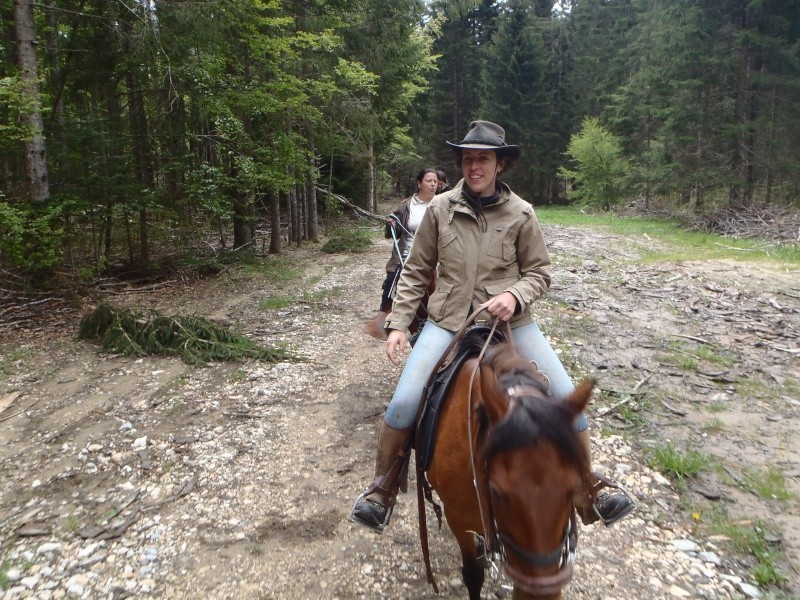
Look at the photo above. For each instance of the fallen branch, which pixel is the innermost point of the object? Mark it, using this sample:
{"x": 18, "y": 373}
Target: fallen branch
{"x": 345, "y": 202}
{"x": 735, "y": 248}
{"x": 641, "y": 383}
{"x": 693, "y": 338}
{"x": 672, "y": 409}
{"x": 607, "y": 409}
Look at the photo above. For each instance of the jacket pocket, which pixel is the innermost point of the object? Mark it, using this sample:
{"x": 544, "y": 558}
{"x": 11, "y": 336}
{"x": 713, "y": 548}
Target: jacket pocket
{"x": 448, "y": 247}
{"x": 438, "y": 300}
{"x": 501, "y": 244}
{"x": 498, "y": 287}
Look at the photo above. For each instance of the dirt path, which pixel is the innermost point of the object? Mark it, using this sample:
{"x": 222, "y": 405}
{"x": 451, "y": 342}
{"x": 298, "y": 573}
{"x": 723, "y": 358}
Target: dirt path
{"x": 147, "y": 478}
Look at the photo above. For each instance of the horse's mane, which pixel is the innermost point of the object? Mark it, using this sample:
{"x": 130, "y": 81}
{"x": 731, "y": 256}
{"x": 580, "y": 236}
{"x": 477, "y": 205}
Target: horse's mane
{"x": 533, "y": 416}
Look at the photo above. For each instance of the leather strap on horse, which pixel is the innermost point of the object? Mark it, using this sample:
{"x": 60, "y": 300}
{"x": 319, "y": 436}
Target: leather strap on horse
{"x": 387, "y": 486}
{"x": 423, "y": 487}
{"x": 423, "y": 522}
{"x": 490, "y": 535}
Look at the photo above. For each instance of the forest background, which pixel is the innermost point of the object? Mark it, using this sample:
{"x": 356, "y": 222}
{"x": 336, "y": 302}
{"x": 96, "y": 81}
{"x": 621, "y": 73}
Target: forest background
{"x": 138, "y": 133}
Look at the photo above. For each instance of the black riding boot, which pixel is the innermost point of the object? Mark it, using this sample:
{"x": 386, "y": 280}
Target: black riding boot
{"x": 373, "y": 508}
{"x": 609, "y": 506}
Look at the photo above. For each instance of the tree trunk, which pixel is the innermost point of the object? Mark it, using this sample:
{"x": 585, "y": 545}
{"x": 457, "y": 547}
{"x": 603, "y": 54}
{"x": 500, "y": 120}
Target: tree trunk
{"x": 311, "y": 201}
{"x": 275, "y": 222}
{"x": 294, "y": 234}
{"x": 300, "y": 204}
{"x": 175, "y": 174}
{"x": 738, "y": 162}
{"x": 142, "y": 158}
{"x": 37, "y": 184}
{"x": 371, "y": 204}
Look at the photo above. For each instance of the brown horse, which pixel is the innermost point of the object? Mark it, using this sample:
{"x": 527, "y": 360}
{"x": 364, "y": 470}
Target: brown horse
{"x": 500, "y": 429}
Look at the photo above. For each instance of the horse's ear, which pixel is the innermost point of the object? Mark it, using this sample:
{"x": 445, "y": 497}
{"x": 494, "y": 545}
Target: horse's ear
{"x": 578, "y": 399}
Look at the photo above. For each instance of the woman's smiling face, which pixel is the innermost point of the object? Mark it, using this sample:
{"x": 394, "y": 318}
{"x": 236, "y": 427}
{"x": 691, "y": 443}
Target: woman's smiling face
{"x": 480, "y": 169}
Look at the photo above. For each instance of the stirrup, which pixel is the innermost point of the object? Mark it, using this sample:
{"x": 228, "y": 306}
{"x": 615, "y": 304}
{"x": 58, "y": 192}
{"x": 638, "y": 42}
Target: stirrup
{"x": 377, "y": 528}
{"x": 613, "y": 519}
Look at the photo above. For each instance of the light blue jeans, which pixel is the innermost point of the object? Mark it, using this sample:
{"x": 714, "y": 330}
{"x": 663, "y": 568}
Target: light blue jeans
{"x": 432, "y": 343}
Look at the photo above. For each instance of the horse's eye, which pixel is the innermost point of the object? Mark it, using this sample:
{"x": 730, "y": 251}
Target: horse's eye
{"x": 497, "y": 494}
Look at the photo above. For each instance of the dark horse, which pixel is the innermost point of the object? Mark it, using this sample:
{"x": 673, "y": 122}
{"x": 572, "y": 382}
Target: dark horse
{"x": 501, "y": 429}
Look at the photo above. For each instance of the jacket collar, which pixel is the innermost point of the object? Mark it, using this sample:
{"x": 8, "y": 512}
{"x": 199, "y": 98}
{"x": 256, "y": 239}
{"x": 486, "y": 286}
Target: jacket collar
{"x": 458, "y": 203}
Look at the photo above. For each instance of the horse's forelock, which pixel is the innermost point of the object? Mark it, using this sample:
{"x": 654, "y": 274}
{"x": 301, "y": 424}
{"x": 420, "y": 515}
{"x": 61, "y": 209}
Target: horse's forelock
{"x": 532, "y": 417}
{"x": 530, "y": 420}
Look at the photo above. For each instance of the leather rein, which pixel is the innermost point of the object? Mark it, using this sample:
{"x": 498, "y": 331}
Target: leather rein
{"x": 496, "y": 543}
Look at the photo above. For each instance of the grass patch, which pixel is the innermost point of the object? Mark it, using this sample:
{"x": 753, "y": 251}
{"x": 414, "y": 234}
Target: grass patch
{"x": 678, "y": 464}
{"x": 707, "y": 356}
{"x": 348, "y": 241}
{"x": 237, "y": 376}
{"x": 72, "y": 523}
{"x": 748, "y": 539}
{"x": 769, "y": 484}
{"x": 280, "y": 270}
{"x": 4, "y": 568}
{"x": 754, "y": 387}
{"x": 687, "y": 363}
{"x": 716, "y": 356}
{"x": 14, "y": 355}
{"x": 312, "y": 298}
{"x": 714, "y": 426}
{"x": 684, "y": 244}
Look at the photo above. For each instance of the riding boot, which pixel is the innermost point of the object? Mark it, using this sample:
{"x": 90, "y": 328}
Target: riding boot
{"x": 608, "y": 506}
{"x": 373, "y": 508}
{"x": 375, "y": 326}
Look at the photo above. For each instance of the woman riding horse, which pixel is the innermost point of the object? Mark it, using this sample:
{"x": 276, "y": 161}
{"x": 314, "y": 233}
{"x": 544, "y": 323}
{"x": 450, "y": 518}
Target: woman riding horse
{"x": 401, "y": 226}
{"x": 488, "y": 248}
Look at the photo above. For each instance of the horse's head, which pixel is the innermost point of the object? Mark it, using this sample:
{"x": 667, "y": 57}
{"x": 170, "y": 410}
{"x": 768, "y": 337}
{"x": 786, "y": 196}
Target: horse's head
{"x": 533, "y": 465}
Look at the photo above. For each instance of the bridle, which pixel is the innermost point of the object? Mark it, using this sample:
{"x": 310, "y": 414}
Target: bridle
{"x": 498, "y": 544}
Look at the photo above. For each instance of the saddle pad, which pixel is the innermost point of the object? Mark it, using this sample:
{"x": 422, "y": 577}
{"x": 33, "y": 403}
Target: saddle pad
{"x": 436, "y": 391}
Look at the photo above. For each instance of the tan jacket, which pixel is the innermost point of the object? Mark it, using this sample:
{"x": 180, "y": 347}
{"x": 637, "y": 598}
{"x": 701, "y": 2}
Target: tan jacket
{"x": 475, "y": 262}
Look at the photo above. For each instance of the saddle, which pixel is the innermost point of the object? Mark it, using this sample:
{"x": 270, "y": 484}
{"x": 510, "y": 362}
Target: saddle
{"x": 435, "y": 392}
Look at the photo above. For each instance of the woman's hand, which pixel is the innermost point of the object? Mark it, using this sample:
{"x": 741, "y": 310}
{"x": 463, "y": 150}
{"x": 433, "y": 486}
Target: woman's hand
{"x": 502, "y": 306}
{"x": 395, "y": 345}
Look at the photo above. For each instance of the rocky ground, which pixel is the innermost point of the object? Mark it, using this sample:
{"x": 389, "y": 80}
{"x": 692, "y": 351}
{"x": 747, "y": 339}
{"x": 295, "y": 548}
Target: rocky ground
{"x": 147, "y": 478}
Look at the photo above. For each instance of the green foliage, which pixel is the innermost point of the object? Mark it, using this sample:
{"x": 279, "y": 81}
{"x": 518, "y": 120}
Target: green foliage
{"x": 348, "y": 241}
{"x": 749, "y": 539}
{"x": 13, "y": 104}
{"x": 599, "y": 166}
{"x": 30, "y": 235}
{"x": 520, "y": 82}
{"x": 4, "y": 568}
{"x": 676, "y": 463}
{"x": 195, "y": 339}
{"x": 769, "y": 484}
{"x": 206, "y": 188}
{"x": 278, "y": 302}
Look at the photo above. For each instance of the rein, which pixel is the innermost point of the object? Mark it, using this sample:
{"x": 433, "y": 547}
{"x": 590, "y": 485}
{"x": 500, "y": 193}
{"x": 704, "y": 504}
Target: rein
{"x": 423, "y": 487}
{"x": 493, "y": 549}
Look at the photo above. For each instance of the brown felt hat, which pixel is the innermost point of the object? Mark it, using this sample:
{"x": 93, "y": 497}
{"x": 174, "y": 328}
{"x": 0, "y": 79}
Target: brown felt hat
{"x": 485, "y": 135}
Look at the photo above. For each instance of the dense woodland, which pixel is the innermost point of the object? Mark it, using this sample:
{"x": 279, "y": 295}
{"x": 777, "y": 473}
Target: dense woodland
{"x": 131, "y": 130}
